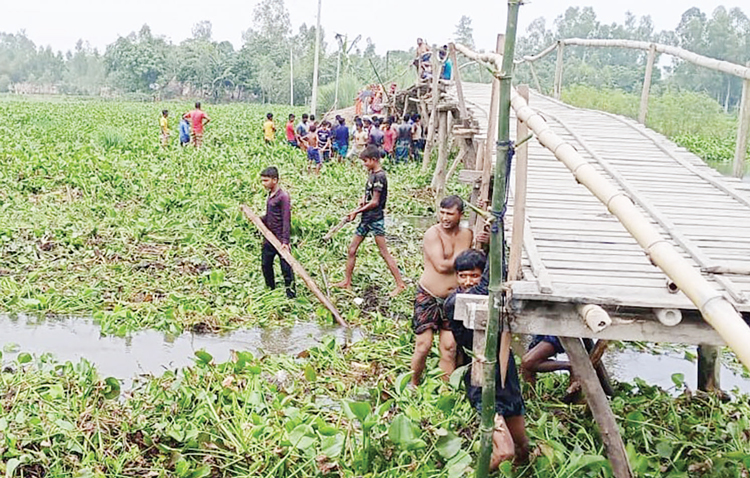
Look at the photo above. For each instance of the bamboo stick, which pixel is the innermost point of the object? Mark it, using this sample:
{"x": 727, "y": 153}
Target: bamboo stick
{"x": 559, "y": 70}
{"x": 431, "y": 125}
{"x": 438, "y": 177}
{"x": 296, "y": 266}
{"x": 459, "y": 86}
{"x": 336, "y": 228}
{"x": 643, "y": 110}
{"x": 536, "y": 78}
{"x": 497, "y": 258}
{"x": 519, "y": 196}
{"x": 743, "y": 128}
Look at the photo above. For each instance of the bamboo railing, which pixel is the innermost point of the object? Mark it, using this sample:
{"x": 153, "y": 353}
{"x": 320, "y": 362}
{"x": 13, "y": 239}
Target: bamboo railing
{"x": 716, "y": 310}
{"x": 743, "y": 72}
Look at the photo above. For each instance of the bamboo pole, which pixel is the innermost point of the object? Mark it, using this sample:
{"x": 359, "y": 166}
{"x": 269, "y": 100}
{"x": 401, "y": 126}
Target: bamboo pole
{"x": 743, "y": 129}
{"x": 316, "y": 62}
{"x": 431, "y": 125}
{"x": 459, "y": 86}
{"x": 296, "y": 266}
{"x": 694, "y": 58}
{"x": 559, "y": 70}
{"x": 599, "y": 405}
{"x": 715, "y": 308}
{"x": 519, "y": 195}
{"x": 497, "y": 243}
{"x": 438, "y": 178}
{"x": 536, "y": 78}
{"x": 643, "y": 110}
{"x": 336, "y": 228}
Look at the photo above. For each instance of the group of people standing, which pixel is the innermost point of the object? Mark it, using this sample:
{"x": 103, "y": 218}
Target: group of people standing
{"x": 191, "y": 127}
{"x": 424, "y": 62}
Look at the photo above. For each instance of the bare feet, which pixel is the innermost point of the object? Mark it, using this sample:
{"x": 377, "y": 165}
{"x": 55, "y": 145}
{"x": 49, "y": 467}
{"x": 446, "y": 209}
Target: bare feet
{"x": 399, "y": 288}
{"x": 343, "y": 285}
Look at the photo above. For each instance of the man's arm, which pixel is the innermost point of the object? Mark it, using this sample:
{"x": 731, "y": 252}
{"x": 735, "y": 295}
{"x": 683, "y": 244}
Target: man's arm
{"x": 433, "y": 252}
{"x": 207, "y": 120}
{"x": 372, "y": 204}
{"x": 286, "y": 220}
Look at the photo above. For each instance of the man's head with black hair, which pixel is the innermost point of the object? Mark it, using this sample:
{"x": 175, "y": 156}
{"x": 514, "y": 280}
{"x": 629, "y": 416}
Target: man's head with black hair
{"x": 450, "y": 212}
{"x": 304, "y": 117}
{"x": 269, "y": 115}
{"x": 469, "y": 266}
{"x": 371, "y": 157}
{"x": 291, "y": 116}
{"x": 269, "y": 177}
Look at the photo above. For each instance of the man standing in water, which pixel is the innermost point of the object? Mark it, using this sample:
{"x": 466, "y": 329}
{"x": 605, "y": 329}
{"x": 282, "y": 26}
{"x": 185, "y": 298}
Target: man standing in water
{"x": 278, "y": 219}
{"x": 198, "y": 119}
{"x": 442, "y": 243}
{"x": 372, "y": 207}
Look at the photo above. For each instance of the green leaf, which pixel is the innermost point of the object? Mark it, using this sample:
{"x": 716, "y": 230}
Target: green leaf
{"x": 65, "y": 425}
{"x": 201, "y": 472}
{"x": 11, "y": 466}
{"x": 448, "y": 444}
{"x": 310, "y": 374}
{"x": 111, "y": 388}
{"x": 203, "y": 356}
{"x": 402, "y": 431}
{"x": 664, "y": 449}
{"x": 459, "y": 465}
{"x": 457, "y": 377}
{"x": 358, "y": 410}
{"x": 24, "y": 357}
{"x": 678, "y": 379}
{"x": 302, "y": 437}
{"x": 332, "y": 446}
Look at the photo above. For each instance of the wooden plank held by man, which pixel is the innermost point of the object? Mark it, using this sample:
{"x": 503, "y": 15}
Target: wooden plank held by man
{"x": 309, "y": 282}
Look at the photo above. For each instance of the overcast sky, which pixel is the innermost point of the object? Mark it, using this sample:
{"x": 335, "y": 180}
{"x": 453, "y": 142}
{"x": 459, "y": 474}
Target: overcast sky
{"x": 391, "y": 24}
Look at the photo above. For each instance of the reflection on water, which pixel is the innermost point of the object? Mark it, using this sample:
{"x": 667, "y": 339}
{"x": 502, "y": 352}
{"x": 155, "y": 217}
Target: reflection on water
{"x": 148, "y": 351}
{"x": 726, "y": 168}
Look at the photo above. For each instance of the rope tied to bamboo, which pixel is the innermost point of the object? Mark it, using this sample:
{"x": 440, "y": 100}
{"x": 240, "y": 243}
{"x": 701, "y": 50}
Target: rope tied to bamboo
{"x": 499, "y": 216}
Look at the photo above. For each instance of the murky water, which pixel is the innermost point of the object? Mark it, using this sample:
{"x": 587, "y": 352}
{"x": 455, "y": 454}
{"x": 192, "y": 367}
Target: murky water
{"x": 148, "y": 351}
{"x": 727, "y": 169}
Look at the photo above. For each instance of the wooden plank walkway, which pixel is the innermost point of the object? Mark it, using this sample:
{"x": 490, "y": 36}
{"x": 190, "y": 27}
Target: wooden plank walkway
{"x": 586, "y": 253}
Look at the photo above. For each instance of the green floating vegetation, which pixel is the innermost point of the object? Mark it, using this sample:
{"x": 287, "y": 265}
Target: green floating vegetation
{"x": 693, "y": 120}
{"x": 335, "y": 411}
{"x": 98, "y": 219}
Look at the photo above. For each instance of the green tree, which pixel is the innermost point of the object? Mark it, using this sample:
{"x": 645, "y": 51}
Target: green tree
{"x": 137, "y": 62}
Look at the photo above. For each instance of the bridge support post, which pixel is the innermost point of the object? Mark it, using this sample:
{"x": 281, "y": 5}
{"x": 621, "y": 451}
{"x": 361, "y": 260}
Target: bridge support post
{"x": 743, "y": 129}
{"x": 438, "y": 177}
{"x": 643, "y": 110}
{"x": 536, "y": 78}
{"x": 599, "y": 406}
{"x": 709, "y": 368}
{"x": 519, "y": 195}
{"x": 559, "y": 70}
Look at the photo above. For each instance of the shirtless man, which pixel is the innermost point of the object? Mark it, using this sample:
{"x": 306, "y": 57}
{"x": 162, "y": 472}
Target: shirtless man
{"x": 442, "y": 243}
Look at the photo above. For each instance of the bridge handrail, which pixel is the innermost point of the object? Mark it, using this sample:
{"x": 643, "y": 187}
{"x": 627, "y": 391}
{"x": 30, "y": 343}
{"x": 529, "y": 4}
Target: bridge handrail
{"x": 694, "y": 58}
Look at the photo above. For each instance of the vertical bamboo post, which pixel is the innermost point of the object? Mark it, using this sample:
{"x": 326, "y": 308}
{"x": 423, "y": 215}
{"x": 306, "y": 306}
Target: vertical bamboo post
{"x": 597, "y": 401}
{"x": 432, "y": 124}
{"x": 438, "y": 179}
{"x": 316, "y": 62}
{"x": 559, "y": 70}
{"x": 459, "y": 86}
{"x": 497, "y": 242}
{"x": 743, "y": 128}
{"x": 709, "y": 368}
{"x": 491, "y": 144}
{"x": 643, "y": 110}
{"x": 519, "y": 195}
{"x": 536, "y": 78}
{"x": 476, "y": 190}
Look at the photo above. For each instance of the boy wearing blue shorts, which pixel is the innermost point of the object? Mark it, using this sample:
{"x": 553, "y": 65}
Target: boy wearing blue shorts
{"x": 372, "y": 208}
{"x": 313, "y": 152}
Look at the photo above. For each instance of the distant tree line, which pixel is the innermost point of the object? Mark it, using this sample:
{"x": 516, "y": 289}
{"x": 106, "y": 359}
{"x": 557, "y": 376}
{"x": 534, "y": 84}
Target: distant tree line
{"x": 146, "y": 64}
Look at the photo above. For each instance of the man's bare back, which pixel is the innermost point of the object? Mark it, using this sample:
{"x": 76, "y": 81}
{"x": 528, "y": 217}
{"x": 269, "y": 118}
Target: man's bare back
{"x": 440, "y": 247}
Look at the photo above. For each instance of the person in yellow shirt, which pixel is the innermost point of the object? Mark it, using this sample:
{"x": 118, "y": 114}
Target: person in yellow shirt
{"x": 164, "y": 127}
{"x": 269, "y": 129}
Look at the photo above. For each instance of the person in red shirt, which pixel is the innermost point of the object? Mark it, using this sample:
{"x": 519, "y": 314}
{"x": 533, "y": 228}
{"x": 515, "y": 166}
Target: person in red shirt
{"x": 389, "y": 137}
{"x": 291, "y": 134}
{"x": 198, "y": 120}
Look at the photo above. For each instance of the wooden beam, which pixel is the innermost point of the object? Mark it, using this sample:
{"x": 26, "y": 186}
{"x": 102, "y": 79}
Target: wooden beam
{"x": 536, "y": 78}
{"x": 562, "y": 318}
{"x": 743, "y": 129}
{"x": 643, "y": 110}
{"x": 438, "y": 177}
{"x": 432, "y": 122}
{"x": 296, "y": 266}
{"x": 709, "y": 368}
{"x": 535, "y": 260}
{"x": 599, "y": 406}
{"x": 519, "y": 196}
{"x": 559, "y": 70}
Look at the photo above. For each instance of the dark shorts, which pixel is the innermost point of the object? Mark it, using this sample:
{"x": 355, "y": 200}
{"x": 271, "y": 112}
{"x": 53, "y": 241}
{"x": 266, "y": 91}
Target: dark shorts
{"x": 313, "y": 155}
{"x": 376, "y": 228}
{"x": 293, "y": 143}
{"x": 508, "y": 399}
{"x": 428, "y": 312}
{"x": 537, "y": 339}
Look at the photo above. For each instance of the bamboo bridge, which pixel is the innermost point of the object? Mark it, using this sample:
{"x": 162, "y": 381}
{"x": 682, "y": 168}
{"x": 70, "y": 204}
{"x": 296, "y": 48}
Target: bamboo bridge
{"x": 616, "y": 233}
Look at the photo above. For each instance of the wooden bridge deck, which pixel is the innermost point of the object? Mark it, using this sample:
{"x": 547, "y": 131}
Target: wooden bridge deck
{"x": 577, "y": 252}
